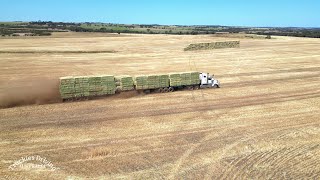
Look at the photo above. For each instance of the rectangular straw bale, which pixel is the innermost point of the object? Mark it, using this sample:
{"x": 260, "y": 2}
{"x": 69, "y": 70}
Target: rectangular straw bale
{"x": 195, "y": 78}
{"x": 175, "y": 79}
{"x": 67, "y": 95}
{"x": 184, "y": 79}
{"x": 108, "y": 84}
{"x": 164, "y": 81}
{"x": 66, "y": 87}
{"x": 67, "y": 80}
{"x": 153, "y": 81}
{"x": 141, "y": 82}
{"x": 125, "y": 83}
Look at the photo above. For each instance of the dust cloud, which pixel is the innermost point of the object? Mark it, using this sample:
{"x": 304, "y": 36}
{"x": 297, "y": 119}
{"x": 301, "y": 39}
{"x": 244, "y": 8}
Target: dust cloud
{"x": 29, "y": 91}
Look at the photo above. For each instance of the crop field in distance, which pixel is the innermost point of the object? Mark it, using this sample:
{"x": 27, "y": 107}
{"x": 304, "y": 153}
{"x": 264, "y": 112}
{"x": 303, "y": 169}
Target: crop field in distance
{"x": 263, "y": 123}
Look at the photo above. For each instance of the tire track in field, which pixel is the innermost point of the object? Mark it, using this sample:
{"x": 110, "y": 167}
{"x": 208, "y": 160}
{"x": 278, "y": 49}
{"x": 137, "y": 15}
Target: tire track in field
{"x": 273, "y": 123}
{"x": 244, "y": 163}
{"x": 143, "y": 137}
{"x": 267, "y": 81}
{"x": 272, "y": 157}
{"x": 280, "y": 160}
{"x": 243, "y": 140}
{"x": 281, "y": 71}
{"x": 187, "y": 153}
{"x": 286, "y": 159}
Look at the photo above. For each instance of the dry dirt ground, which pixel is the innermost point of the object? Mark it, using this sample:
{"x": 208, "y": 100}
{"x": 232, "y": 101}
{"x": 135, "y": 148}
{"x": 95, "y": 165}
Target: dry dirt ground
{"x": 263, "y": 123}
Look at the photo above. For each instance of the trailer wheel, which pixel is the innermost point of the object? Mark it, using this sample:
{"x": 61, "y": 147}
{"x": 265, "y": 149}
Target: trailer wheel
{"x": 190, "y": 88}
{"x": 171, "y": 89}
{"x": 165, "y": 90}
{"x": 196, "y": 87}
{"x": 157, "y": 90}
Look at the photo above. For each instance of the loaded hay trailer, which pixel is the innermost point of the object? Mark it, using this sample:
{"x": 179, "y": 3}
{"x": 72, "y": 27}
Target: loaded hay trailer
{"x": 85, "y": 87}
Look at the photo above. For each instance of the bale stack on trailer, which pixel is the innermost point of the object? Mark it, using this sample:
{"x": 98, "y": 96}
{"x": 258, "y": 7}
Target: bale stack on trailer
{"x": 108, "y": 84}
{"x": 195, "y": 77}
{"x": 164, "y": 81}
{"x": 90, "y": 86}
{"x": 175, "y": 79}
{"x": 81, "y": 86}
{"x": 102, "y": 85}
{"x": 151, "y": 82}
{"x": 125, "y": 83}
{"x": 141, "y": 82}
{"x": 86, "y": 86}
{"x": 66, "y": 87}
{"x": 184, "y": 79}
{"x": 95, "y": 87}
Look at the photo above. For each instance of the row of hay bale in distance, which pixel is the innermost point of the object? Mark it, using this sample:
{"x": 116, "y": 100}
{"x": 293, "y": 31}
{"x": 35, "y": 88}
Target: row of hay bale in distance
{"x": 213, "y": 45}
{"x": 90, "y": 86}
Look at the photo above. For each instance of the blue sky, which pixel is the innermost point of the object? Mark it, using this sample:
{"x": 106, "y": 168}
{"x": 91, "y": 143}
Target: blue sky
{"x": 282, "y": 13}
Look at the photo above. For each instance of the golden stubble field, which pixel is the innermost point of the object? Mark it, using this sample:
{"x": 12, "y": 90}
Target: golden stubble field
{"x": 263, "y": 123}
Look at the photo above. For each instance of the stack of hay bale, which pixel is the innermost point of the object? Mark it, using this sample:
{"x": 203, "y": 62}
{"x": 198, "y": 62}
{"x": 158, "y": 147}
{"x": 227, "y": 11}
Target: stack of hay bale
{"x": 81, "y": 86}
{"x": 175, "y": 79}
{"x": 213, "y": 45}
{"x": 108, "y": 84}
{"x": 227, "y": 44}
{"x": 125, "y": 83}
{"x": 101, "y": 85}
{"x": 95, "y": 87}
{"x": 151, "y": 81}
{"x": 86, "y": 86}
{"x": 164, "y": 81}
{"x": 141, "y": 82}
{"x": 184, "y": 79}
{"x": 67, "y": 87}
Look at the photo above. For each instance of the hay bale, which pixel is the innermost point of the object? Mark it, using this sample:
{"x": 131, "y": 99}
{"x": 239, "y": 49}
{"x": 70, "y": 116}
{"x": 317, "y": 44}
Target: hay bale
{"x": 81, "y": 86}
{"x": 101, "y": 85}
{"x": 175, "y": 79}
{"x": 85, "y": 86}
{"x": 195, "y": 78}
{"x": 164, "y": 81}
{"x": 66, "y": 87}
{"x": 184, "y": 78}
{"x": 108, "y": 85}
{"x": 125, "y": 83}
{"x": 213, "y": 45}
{"x": 141, "y": 82}
{"x": 151, "y": 81}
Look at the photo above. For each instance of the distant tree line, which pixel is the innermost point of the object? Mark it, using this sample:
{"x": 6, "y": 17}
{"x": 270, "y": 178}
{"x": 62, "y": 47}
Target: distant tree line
{"x": 303, "y": 33}
{"x": 45, "y": 28}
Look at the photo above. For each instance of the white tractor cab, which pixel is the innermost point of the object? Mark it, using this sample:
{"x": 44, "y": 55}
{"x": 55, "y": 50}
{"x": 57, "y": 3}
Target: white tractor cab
{"x": 207, "y": 81}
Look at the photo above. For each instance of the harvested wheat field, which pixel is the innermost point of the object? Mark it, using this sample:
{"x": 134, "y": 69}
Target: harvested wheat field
{"x": 263, "y": 123}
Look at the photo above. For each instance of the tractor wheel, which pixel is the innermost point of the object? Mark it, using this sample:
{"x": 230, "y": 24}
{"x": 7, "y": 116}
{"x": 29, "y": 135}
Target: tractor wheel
{"x": 215, "y": 86}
